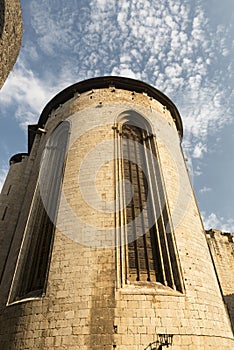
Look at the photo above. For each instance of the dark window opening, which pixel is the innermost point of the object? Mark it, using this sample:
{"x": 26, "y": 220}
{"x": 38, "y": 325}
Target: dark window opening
{"x": 9, "y": 190}
{"x": 34, "y": 264}
{"x": 4, "y": 213}
{"x": 151, "y": 252}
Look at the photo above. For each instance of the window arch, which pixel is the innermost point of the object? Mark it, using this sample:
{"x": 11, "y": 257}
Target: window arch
{"x": 33, "y": 266}
{"x": 150, "y": 252}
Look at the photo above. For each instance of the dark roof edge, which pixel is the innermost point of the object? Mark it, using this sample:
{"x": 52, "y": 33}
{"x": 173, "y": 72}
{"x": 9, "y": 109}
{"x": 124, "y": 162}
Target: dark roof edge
{"x": 105, "y": 82}
{"x": 17, "y": 158}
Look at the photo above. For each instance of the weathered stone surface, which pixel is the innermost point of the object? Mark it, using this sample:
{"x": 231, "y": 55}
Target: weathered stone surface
{"x": 88, "y": 302}
{"x": 10, "y": 36}
{"x": 222, "y": 250}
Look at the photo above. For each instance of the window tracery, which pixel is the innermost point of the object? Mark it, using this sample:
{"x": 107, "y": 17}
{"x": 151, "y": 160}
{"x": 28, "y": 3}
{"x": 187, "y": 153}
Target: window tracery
{"x": 144, "y": 222}
{"x": 36, "y": 249}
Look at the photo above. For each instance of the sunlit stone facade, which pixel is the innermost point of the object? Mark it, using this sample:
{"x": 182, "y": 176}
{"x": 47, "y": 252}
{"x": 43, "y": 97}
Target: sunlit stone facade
{"x": 102, "y": 244}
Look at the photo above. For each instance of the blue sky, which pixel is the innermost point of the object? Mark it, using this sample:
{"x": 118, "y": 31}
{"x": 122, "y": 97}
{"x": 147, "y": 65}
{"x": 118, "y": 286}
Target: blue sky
{"x": 185, "y": 48}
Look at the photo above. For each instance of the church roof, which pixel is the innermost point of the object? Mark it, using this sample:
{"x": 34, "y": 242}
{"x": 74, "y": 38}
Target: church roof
{"x": 105, "y": 82}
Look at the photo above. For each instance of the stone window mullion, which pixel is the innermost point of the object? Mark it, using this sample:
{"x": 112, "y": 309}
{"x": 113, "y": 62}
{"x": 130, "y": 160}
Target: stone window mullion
{"x": 130, "y": 208}
{"x": 175, "y": 272}
{"x": 163, "y": 214}
{"x": 152, "y": 191}
{"x": 141, "y": 193}
{"x": 149, "y": 254}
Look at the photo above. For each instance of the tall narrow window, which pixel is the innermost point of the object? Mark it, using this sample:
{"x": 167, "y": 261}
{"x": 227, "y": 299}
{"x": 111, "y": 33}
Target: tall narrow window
{"x": 150, "y": 248}
{"x": 36, "y": 252}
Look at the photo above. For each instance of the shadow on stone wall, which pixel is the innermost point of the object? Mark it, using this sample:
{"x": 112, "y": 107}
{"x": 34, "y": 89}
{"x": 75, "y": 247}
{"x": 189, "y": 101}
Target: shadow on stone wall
{"x": 2, "y": 16}
{"x": 9, "y": 322}
{"x": 102, "y": 312}
{"x": 229, "y": 301}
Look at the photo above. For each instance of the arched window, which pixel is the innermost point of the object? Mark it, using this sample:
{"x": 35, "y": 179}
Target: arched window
{"x": 36, "y": 250}
{"x": 150, "y": 253}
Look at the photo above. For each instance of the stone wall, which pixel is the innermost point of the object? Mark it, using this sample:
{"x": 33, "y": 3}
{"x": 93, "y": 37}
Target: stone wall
{"x": 222, "y": 250}
{"x": 10, "y": 36}
{"x": 89, "y": 304}
{"x": 11, "y": 200}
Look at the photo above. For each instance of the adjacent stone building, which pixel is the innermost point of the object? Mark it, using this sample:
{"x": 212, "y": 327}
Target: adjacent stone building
{"x": 221, "y": 246}
{"x": 102, "y": 243}
{"x": 10, "y": 36}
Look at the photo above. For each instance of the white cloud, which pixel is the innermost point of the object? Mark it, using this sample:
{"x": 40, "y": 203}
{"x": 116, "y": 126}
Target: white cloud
{"x": 219, "y": 223}
{"x": 205, "y": 189}
{"x": 124, "y": 71}
{"x": 174, "y": 70}
{"x": 211, "y": 221}
{"x": 199, "y": 150}
{"x": 22, "y": 85}
{"x": 31, "y": 53}
{"x": 197, "y": 171}
{"x": 170, "y": 45}
{"x": 28, "y": 93}
{"x": 3, "y": 174}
